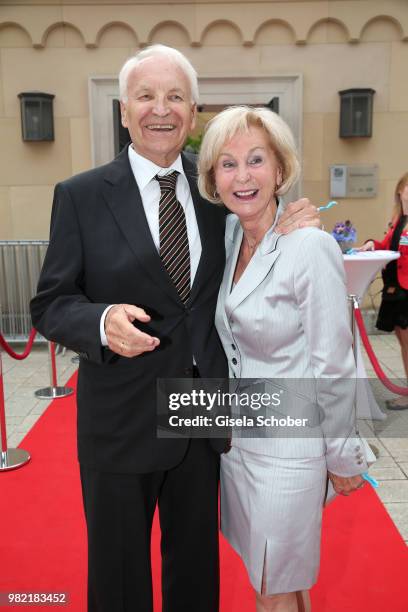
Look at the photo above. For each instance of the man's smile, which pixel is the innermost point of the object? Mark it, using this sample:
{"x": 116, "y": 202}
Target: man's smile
{"x": 161, "y": 127}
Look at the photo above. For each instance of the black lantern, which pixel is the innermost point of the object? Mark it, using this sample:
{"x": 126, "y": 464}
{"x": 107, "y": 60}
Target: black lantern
{"x": 356, "y": 112}
{"x": 37, "y": 117}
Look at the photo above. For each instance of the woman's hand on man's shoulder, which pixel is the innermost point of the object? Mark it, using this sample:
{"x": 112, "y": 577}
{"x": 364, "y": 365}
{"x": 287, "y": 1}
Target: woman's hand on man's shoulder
{"x": 298, "y": 214}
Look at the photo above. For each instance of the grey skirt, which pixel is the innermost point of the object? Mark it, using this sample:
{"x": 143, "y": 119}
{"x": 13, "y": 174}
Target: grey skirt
{"x": 271, "y": 514}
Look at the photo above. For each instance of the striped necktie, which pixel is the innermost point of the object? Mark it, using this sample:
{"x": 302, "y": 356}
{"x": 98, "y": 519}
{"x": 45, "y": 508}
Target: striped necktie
{"x": 174, "y": 250}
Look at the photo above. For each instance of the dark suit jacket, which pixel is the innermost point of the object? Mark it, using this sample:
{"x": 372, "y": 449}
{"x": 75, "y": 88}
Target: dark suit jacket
{"x": 101, "y": 252}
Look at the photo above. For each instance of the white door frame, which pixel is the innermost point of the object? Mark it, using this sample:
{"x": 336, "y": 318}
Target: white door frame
{"x": 213, "y": 90}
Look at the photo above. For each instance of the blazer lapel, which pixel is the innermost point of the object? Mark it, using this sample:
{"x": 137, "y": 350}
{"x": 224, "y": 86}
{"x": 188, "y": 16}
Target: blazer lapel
{"x": 255, "y": 272}
{"x": 123, "y": 198}
{"x": 232, "y": 247}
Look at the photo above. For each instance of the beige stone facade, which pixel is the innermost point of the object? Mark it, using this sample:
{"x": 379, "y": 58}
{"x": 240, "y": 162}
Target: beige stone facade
{"x": 243, "y": 50}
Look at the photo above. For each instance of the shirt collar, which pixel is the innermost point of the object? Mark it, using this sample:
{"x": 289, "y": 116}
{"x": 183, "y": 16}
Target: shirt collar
{"x": 145, "y": 170}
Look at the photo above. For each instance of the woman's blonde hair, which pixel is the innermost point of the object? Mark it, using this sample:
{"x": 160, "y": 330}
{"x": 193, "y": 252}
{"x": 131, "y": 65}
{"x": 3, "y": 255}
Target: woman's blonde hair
{"x": 397, "y": 211}
{"x": 236, "y": 120}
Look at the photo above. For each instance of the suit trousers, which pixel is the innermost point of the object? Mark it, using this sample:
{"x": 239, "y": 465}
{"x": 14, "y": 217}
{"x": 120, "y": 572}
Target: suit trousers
{"x": 119, "y": 511}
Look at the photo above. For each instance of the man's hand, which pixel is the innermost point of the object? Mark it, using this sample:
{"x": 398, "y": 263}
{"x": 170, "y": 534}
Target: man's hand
{"x": 345, "y": 485}
{"x": 298, "y": 214}
{"x": 123, "y": 338}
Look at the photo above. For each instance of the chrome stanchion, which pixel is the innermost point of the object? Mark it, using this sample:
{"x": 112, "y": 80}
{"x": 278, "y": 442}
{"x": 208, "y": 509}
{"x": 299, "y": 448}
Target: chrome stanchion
{"x": 354, "y": 303}
{"x": 353, "y": 300}
{"x": 10, "y": 458}
{"x": 54, "y": 391}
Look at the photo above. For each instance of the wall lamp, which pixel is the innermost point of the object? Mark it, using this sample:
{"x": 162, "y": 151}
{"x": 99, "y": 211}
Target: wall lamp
{"x": 356, "y": 113}
{"x": 37, "y": 117}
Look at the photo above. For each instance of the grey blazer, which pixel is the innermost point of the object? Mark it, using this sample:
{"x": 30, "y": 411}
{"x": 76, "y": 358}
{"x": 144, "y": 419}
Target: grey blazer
{"x": 287, "y": 321}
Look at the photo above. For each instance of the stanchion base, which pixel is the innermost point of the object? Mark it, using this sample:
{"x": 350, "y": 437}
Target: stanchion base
{"x": 53, "y": 392}
{"x": 375, "y": 450}
{"x": 13, "y": 458}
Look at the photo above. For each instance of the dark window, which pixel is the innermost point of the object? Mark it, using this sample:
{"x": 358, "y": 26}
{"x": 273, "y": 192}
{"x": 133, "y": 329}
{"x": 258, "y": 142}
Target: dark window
{"x": 121, "y": 136}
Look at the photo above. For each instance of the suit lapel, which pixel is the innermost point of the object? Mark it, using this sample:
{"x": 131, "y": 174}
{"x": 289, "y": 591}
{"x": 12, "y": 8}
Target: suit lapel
{"x": 123, "y": 198}
{"x": 204, "y": 222}
{"x": 255, "y": 272}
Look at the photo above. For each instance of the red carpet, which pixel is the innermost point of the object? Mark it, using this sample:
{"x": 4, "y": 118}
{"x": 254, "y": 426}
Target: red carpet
{"x": 42, "y": 536}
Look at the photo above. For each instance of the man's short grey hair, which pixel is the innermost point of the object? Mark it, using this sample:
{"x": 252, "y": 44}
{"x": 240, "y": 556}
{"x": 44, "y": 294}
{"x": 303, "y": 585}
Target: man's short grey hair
{"x": 156, "y": 51}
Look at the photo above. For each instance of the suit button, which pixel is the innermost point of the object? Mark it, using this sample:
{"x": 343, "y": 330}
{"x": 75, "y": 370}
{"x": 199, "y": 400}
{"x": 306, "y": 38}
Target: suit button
{"x": 234, "y": 361}
{"x": 234, "y": 348}
{"x": 359, "y": 462}
{"x": 357, "y": 448}
{"x": 188, "y": 372}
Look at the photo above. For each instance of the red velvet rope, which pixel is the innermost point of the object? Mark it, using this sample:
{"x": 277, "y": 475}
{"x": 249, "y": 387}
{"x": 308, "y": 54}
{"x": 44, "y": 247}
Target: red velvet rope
{"x": 26, "y": 351}
{"x": 377, "y": 368}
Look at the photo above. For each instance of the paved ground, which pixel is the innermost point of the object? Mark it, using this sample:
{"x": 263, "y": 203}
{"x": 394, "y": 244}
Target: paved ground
{"x": 22, "y": 378}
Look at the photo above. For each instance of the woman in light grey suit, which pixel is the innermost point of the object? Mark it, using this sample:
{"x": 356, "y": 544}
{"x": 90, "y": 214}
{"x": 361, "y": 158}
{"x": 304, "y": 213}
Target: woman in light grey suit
{"x": 281, "y": 314}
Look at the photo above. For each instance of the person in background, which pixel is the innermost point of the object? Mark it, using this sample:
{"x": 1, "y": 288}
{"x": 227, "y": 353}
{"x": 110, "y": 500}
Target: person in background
{"x": 393, "y": 313}
{"x": 281, "y": 314}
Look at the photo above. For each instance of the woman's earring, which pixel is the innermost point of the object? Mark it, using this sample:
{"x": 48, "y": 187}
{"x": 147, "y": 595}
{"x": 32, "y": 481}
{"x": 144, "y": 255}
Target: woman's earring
{"x": 215, "y": 194}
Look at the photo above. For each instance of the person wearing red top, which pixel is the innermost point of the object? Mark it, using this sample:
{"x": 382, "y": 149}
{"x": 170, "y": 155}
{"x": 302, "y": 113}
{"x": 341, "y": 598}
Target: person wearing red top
{"x": 393, "y": 314}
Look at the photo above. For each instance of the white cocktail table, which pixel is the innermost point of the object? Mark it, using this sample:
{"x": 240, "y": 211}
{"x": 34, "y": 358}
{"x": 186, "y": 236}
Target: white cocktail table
{"x": 361, "y": 269}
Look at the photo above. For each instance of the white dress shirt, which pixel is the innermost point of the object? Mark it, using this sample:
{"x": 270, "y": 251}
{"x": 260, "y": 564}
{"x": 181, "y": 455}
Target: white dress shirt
{"x": 144, "y": 172}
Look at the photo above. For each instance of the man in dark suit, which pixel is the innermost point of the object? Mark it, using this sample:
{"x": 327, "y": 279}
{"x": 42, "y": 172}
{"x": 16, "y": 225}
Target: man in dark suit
{"x": 134, "y": 313}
